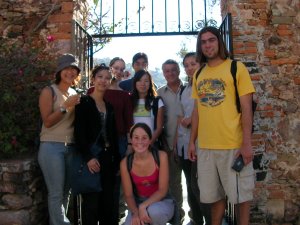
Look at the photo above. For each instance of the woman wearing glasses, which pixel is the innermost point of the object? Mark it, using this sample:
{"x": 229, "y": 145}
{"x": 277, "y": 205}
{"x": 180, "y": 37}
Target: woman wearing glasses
{"x": 121, "y": 103}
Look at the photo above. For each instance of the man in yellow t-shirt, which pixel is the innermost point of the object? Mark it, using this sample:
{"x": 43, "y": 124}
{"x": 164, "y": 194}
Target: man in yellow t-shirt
{"x": 221, "y": 131}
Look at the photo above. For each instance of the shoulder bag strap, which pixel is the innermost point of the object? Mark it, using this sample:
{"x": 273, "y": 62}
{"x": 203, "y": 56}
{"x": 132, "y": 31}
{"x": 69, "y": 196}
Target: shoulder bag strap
{"x": 233, "y": 70}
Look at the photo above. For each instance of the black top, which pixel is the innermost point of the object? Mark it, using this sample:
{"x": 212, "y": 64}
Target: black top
{"x": 88, "y": 124}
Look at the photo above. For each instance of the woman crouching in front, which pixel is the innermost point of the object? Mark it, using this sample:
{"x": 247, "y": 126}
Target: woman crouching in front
{"x": 145, "y": 178}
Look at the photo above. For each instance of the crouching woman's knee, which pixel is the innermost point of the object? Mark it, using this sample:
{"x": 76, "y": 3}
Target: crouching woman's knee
{"x": 161, "y": 212}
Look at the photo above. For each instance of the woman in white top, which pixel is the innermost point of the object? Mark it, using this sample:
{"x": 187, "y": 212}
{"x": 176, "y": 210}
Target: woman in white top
{"x": 147, "y": 106}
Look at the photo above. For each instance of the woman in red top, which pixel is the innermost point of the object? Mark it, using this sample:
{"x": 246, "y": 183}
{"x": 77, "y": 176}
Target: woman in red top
{"x": 145, "y": 181}
{"x": 121, "y": 102}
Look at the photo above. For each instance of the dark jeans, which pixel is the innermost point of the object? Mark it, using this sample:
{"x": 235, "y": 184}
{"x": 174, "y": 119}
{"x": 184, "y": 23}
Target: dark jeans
{"x": 198, "y": 210}
{"x": 100, "y": 206}
{"x": 122, "y": 144}
{"x": 118, "y": 198}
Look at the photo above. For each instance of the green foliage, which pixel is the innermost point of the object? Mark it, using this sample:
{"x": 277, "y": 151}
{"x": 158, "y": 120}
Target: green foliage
{"x": 23, "y": 67}
{"x": 183, "y": 51}
{"x": 96, "y": 2}
{"x": 95, "y": 26}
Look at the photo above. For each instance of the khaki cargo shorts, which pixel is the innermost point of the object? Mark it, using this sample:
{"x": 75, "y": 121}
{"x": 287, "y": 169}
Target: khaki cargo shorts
{"x": 216, "y": 179}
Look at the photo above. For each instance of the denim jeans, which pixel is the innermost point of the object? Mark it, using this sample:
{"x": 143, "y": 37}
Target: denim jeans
{"x": 175, "y": 186}
{"x": 55, "y": 161}
{"x": 159, "y": 212}
{"x": 119, "y": 202}
{"x": 122, "y": 144}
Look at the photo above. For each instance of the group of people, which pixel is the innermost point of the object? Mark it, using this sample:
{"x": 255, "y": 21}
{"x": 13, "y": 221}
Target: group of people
{"x": 150, "y": 136}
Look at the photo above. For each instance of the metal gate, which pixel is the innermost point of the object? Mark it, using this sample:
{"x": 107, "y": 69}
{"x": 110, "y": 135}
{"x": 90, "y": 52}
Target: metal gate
{"x": 124, "y": 18}
{"x": 82, "y": 47}
{"x": 226, "y": 32}
{"x": 83, "y": 42}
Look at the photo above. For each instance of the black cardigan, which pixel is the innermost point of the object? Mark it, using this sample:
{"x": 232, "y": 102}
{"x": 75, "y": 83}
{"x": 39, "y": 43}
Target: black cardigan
{"x": 88, "y": 125}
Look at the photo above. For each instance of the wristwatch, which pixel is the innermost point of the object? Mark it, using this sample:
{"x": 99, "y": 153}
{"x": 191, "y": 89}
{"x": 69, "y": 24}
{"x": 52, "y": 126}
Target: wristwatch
{"x": 62, "y": 109}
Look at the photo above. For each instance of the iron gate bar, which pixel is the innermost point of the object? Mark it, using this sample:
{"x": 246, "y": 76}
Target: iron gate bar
{"x": 91, "y": 52}
{"x": 83, "y": 49}
{"x": 179, "y": 16}
{"x": 126, "y": 18}
{"x": 100, "y": 22}
{"x": 192, "y": 13}
{"x": 152, "y": 14}
{"x": 166, "y": 21}
{"x": 145, "y": 34}
{"x": 205, "y": 19}
{"x": 113, "y": 27}
{"x": 226, "y": 31}
{"x": 139, "y": 16}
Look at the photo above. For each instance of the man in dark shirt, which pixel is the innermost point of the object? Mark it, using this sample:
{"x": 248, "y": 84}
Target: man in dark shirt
{"x": 139, "y": 62}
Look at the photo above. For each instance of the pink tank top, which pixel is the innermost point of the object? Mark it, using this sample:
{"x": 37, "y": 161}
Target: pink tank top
{"x": 147, "y": 185}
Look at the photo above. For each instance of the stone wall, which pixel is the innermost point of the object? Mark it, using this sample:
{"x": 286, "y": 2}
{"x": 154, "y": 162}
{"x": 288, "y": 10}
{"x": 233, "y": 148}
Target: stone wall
{"x": 266, "y": 35}
{"x": 60, "y": 24}
{"x": 52, "y": 19}
{"x": 22, "y": 193}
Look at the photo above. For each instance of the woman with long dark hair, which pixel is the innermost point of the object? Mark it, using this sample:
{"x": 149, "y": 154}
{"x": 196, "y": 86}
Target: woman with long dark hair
{"x": 95, "y": 117}
{"x": 147, "y": 106}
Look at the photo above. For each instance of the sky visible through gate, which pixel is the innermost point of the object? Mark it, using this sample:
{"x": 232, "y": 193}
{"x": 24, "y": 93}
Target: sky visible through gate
{"x": 158, "y": 48}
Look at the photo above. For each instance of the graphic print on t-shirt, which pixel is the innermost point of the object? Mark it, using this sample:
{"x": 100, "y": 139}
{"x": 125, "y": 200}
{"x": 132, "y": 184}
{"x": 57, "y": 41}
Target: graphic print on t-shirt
{"x": 211, "y": 92}
{"x": 141, "y": 111}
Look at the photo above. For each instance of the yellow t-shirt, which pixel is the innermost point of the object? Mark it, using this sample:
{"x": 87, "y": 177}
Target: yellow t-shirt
{"x": 219, "y": 124}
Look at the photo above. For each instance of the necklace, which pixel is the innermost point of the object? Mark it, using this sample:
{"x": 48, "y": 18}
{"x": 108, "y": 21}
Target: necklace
{"x": 64, "y": 93}
{"x": 101, "y": 106}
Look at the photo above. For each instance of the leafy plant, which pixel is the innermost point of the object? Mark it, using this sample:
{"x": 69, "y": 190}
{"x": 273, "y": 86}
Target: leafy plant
{"x": 24, "y": 70}
{"x": 97, "y": 28}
